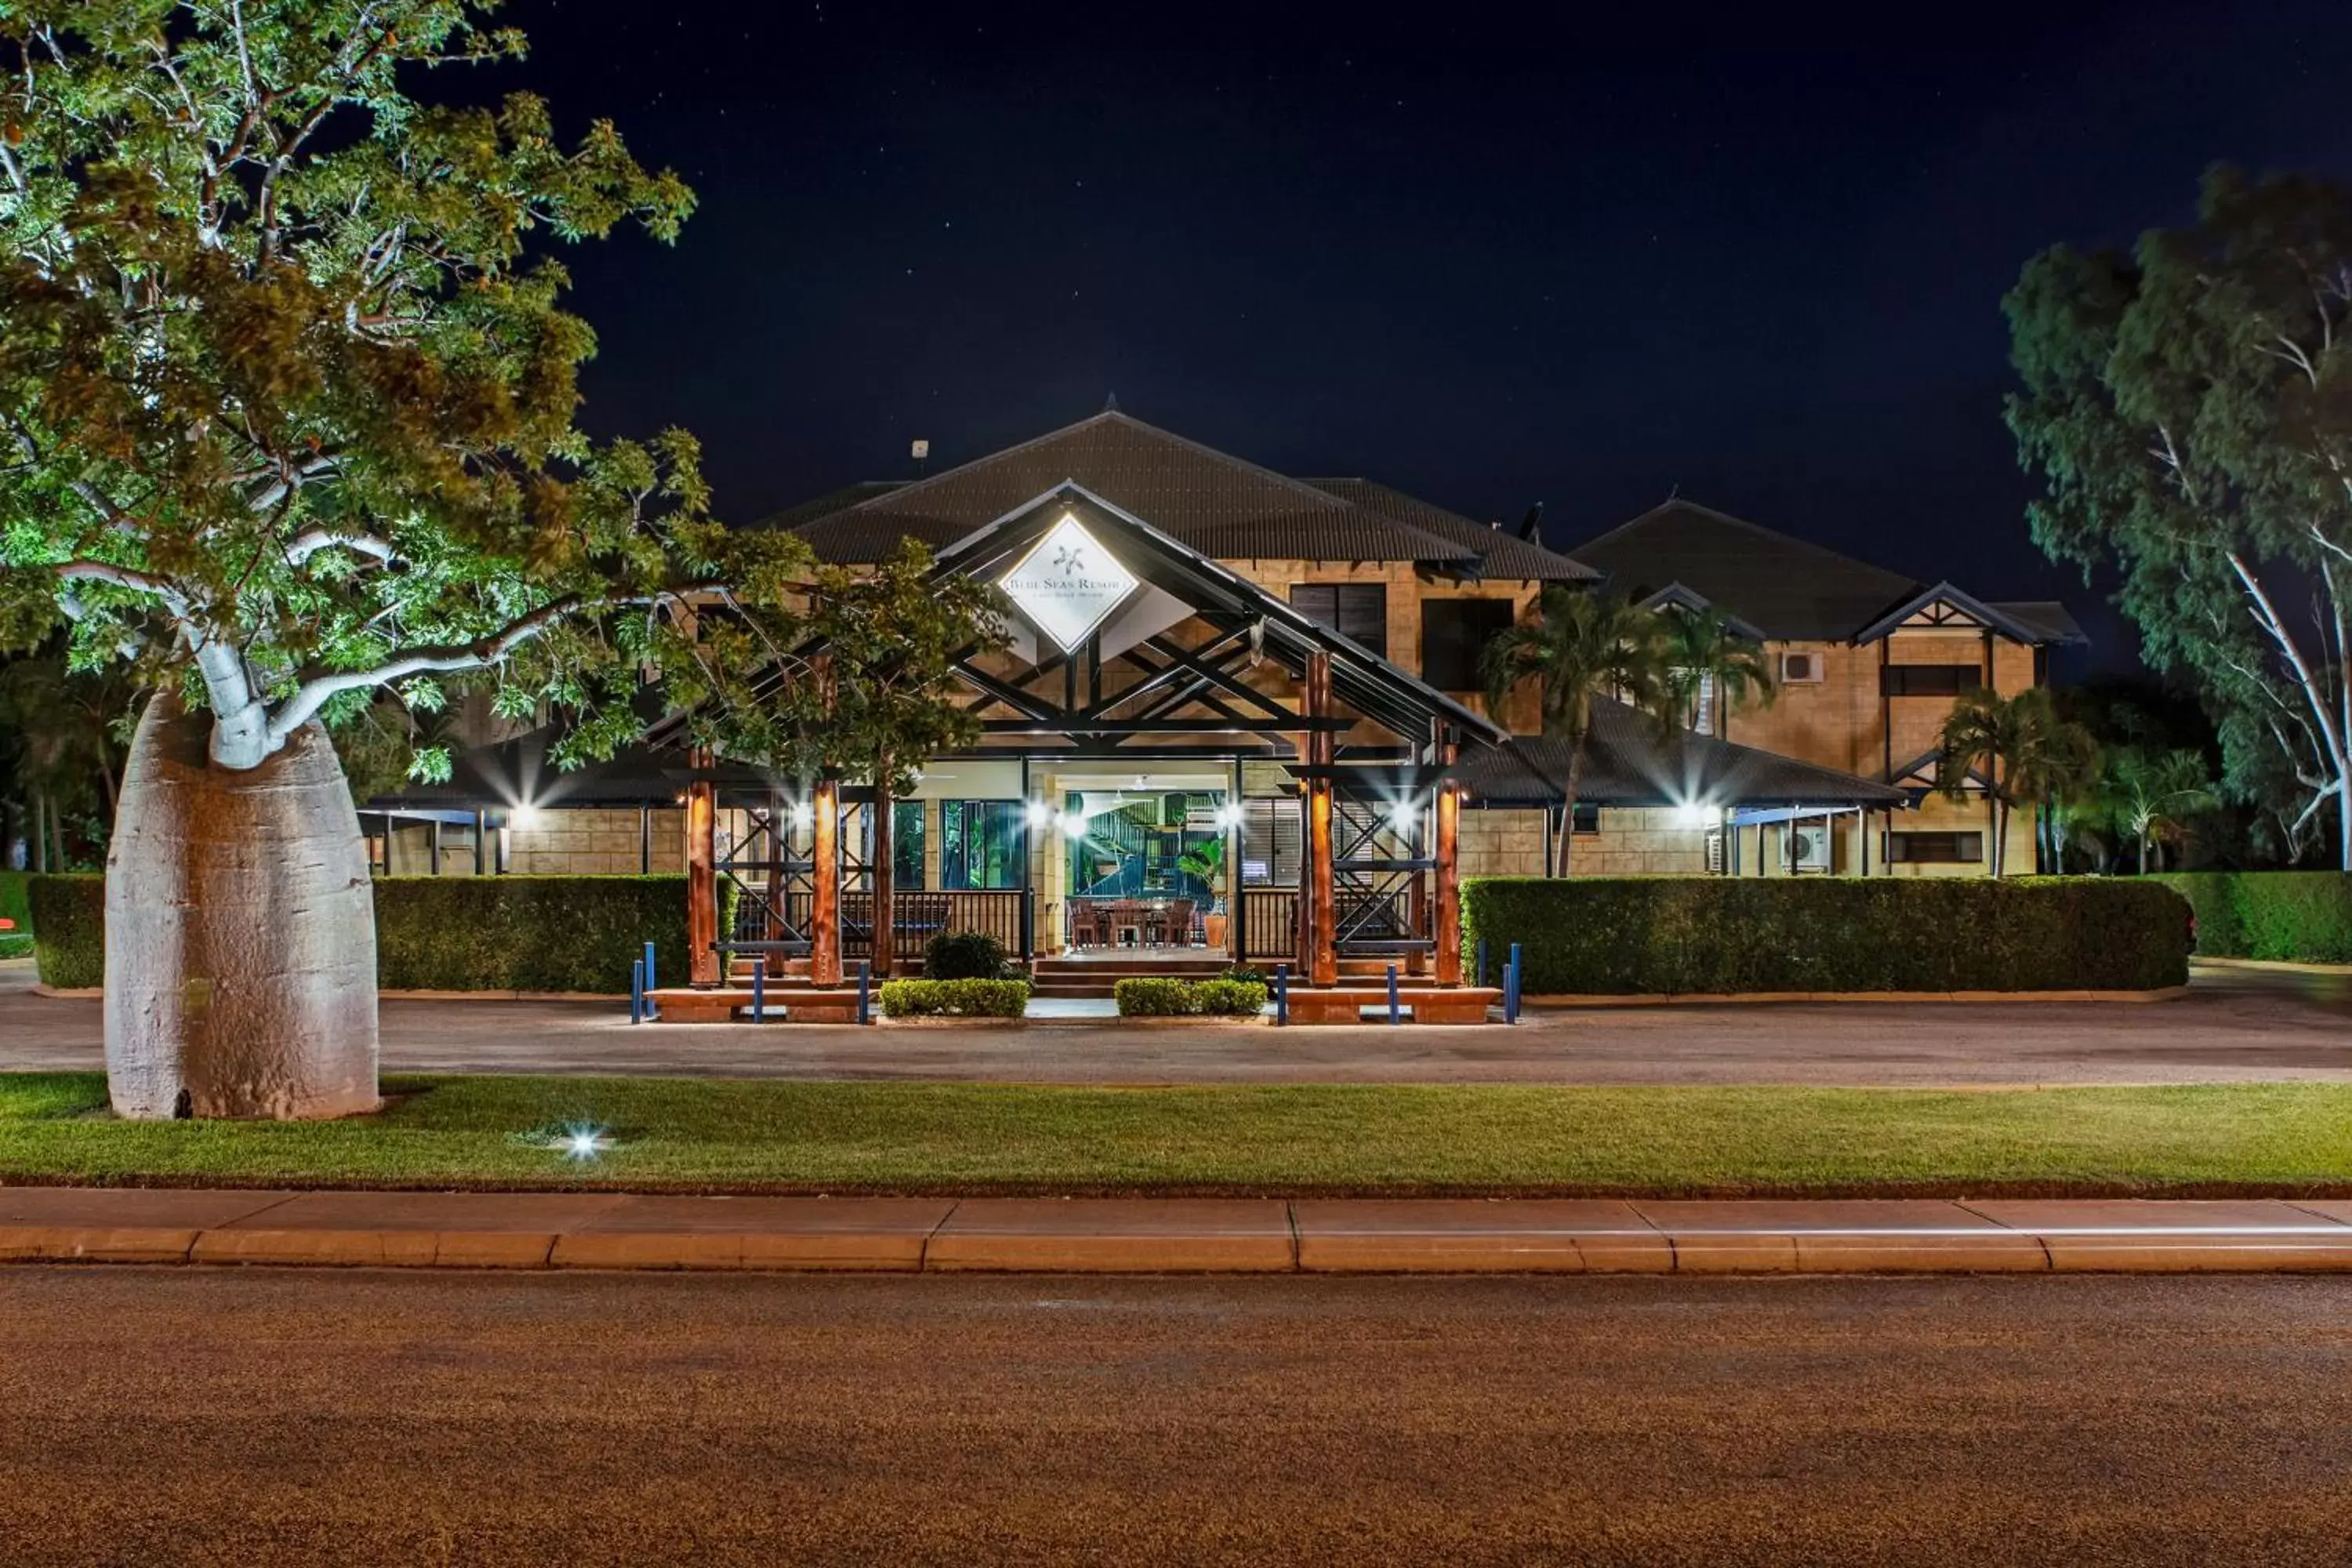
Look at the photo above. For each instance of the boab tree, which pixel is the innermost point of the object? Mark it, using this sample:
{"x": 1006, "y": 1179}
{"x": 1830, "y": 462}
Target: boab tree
{"x": 286, "y": 410}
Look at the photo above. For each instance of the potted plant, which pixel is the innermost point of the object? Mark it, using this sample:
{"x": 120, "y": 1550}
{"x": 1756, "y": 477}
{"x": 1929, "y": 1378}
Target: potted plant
{"x": 1201, "y": 862}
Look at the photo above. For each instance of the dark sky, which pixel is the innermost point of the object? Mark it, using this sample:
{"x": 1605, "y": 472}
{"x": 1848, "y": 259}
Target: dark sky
{"x": 1571, "y": 255}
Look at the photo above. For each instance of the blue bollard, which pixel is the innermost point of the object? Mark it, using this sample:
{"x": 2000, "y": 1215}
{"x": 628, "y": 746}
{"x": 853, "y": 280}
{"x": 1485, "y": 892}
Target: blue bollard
{"x": 1480, "y": 981}
{"x": 1281, "y": 994}
{"x": 637, "y": 991}
{"x": 1393, "y": 997}
{"x": 759, "y": 989}
{"x": 651, "y": 982}
{"x": 1511, "y": 988}
{"x": 865, "y": 991}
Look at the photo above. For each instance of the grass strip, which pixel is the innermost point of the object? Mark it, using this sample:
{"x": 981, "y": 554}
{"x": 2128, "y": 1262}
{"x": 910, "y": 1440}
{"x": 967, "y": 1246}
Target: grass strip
{"x": 694, "y": 1134}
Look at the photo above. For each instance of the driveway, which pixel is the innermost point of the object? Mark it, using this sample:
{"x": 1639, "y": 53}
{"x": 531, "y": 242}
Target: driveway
{"x": 2236, "y": 1025}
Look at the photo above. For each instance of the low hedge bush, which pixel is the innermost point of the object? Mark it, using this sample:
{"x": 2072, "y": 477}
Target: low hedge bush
{"x": 966, "y": 998}
{"x": 1702, "y": 935}
{"x": 68, "y": 916}
{"x": 15, "y": 902}
{"x": 963, "y": 955}
{"x": 2294, "y": 917}
{"x": 1151, "y": 997}
{"x": 443, "y": 933}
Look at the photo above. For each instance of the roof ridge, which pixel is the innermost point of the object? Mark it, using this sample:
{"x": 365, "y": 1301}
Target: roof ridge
{"x": 1772, "y": 533}
{"x": 927, "y": 479}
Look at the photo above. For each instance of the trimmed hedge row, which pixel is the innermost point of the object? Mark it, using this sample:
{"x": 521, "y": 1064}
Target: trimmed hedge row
{"x": 1717, "y": 935}
{"x": 15, "y": 902}
{"x": 442, "y": 933}
{"x": 1152, "y": 996}
{"x": 2295, "y": 917}
{"x": 965, "y": 998}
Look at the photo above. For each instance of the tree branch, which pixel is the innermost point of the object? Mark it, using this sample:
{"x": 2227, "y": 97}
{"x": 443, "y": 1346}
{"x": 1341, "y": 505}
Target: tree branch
{"x": 313, "y": 541}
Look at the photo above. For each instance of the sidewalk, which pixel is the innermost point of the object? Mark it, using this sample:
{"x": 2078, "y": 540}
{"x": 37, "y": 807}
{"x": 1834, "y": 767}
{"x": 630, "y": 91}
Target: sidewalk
{"x": 614, "y": 1230}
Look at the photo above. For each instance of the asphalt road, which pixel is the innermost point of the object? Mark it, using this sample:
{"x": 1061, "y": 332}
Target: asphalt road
{"x": 246, "y": 1417}
{"x": 2237, "y": 1025}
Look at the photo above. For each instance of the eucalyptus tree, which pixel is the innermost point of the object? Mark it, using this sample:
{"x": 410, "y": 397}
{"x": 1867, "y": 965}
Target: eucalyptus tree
{"x": 286, "y": 402}
{"x": 2021, "y": 752}
{"x": 2188, "y": 407}
{"x": 1580, "y": 648}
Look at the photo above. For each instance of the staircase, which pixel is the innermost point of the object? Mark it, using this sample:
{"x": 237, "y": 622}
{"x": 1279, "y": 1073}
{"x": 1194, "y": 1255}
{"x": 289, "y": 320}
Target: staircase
{"x": 1095, "y": 977}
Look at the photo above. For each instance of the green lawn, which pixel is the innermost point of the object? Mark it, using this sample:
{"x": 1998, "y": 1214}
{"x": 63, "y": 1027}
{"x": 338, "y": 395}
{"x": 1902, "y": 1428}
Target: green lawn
{"x": 676, "y": 1133}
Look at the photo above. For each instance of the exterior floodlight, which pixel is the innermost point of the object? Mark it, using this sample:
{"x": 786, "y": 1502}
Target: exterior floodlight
{"x": 1401, "y": 814}
{"x": 523, "y": 817}
{"x": 1073, "y": 823}
{"x": 1039, "y": 814}
{"x": 1230, "y": 813}
{"x": 802, "y": 814}
{"x": 583, "y": 1142}
{"x": 1690, "y": 814}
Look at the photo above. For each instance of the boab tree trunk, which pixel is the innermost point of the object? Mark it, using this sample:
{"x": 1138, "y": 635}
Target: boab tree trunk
{"x": 240, "y": 931}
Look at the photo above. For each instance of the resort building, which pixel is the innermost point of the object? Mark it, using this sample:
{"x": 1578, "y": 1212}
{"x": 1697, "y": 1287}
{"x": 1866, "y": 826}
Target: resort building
{"x": 1242, "y": 713}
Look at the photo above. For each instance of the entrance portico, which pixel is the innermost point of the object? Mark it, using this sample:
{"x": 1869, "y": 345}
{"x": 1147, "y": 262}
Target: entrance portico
{"x": 1170, "y": 759}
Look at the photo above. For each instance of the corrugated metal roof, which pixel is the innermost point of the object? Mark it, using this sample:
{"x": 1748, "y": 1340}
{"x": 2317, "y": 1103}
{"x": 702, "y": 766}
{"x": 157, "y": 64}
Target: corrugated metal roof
{"x": 1794, "y": 591}
{"x": 1501, "y": 554}
{"x": 1628, "y": 762}
{"x": 1222, "y": 506}
{"x": 2047, "y": 617}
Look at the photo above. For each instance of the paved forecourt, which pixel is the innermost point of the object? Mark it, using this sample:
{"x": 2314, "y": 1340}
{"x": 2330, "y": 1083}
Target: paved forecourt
{"x": 1214, "y": 1235}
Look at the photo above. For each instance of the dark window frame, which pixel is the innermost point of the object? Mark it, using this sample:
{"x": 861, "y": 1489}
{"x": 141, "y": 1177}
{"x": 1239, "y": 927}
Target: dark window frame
{"x": 959, "y": 821}
{"x": 1902, "y": 847}
{"x": 1463, "y": 641}
{"x": 1357, "y": 611}
{"x": 1929, "y": 680}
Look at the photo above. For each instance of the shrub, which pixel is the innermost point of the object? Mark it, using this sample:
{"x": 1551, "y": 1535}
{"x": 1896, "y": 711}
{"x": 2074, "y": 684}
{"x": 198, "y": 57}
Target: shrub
{"x": 2296, "y": 917}
{"x": 68, "y": 916}
{"x": 1701, "y": 935}
{"x": 963, "y": 955}
{"x": 1247, "y": 973}
{"x": 15, "y": 904}
{"x": 972, "y": 997}
{"x": 1151, "y": 997}
{"x": 443, "y": 933}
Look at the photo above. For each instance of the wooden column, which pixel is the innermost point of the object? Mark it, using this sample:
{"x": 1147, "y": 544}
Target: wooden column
{"x": 702, "y": 878}
{"x": 1449, "y": 876}
{"x": 1236, "y": 841}
{"x": 1320, "y": 919}
{"x": 824, "y": 886}
{"x": 881, "y": 876}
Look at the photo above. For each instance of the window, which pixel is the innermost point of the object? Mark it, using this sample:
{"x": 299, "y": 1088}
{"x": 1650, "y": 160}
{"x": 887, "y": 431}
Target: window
{"x": 907, "y": 844}
{"x": 1454, "y": 633}
{"x": 1587, "y": 816}
{"x": 1929, "y": 680}
{"x": 1934, "y": 848}
{"x": 1357, "y": 611}
{"x": 983, "y": 843}
{"x": 1801, "y": 668}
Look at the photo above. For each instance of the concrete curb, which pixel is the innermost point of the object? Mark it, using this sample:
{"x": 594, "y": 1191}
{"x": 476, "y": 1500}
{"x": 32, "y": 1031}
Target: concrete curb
{"x": 1179, "y": 1236}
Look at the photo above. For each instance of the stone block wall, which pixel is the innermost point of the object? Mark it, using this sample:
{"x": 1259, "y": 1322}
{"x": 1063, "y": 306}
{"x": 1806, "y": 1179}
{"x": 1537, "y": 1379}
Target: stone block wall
{"x": 595, "y": 842}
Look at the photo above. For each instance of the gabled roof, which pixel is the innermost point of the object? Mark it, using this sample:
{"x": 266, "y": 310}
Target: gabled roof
{"x": 1686, "y": 598}
{"x": 1628, "y": 762}
{"x": 1218, "y": 505}
{"x": 1794, "y": 591}
{"x": 2051, "y": 621}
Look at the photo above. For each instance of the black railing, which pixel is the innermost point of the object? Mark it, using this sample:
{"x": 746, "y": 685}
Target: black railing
{"x": 1270, "y": 918}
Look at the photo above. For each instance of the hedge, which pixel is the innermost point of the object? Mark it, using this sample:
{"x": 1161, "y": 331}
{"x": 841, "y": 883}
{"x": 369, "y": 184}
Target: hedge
{"x": 68, "y": 914}
{"x": 970, "y": 998}
{"x": 442, "y": 933}
{"x": 1151, "y": 997}
{"x": 2299, "y": 916}
{"x": 15, "y": 904}
{"x": 1719, "y": 935}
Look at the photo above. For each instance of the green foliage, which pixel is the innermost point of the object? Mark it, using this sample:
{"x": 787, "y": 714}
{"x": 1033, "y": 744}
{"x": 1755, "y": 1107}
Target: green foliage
{"x": 1703, "y": 655}
{"x": 1714, "y": 935}
{"x": 2018, "y": 749}
{"x": 443, "y": 934}
{"x": 68, "y": 914}
{"x": 14, "y": 903}
{"x": 1154, "y": 997}
{"x": 1247, "y": 973}
{"x": 963, "y": 955}
{"x": 970, "y": 998}
{"x": 2293, "y": 917}
{"x": 286, "y": 382}
{"x": 2188, "y": 408}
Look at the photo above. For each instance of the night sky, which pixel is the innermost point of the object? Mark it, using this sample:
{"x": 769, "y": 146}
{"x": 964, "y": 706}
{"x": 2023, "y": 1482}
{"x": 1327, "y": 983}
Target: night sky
{"x": 1491, "y": 258}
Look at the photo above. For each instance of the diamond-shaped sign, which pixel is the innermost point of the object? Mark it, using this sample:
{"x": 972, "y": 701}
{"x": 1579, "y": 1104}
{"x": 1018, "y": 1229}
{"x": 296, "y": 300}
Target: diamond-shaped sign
{"x": 1068, "y": 582}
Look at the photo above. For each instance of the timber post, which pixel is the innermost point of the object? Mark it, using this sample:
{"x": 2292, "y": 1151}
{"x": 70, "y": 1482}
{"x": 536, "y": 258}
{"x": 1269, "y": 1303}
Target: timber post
{"x": 1448, "y": 811}
{"x": 1319, "y": 955}
{"x": 824, "y": 887}
{"x": 702, "y": 875}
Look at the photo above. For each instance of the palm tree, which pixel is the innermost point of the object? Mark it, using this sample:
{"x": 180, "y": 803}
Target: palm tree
{"x": 2151, "y": 795}
{"x": 1711, "y": 668}
{"x": 2025, "y": 752}
{"x": 1579, "y": 647}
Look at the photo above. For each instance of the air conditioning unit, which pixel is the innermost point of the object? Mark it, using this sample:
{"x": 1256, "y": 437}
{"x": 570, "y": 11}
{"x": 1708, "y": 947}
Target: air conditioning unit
{"x": 1809, "y": 846}
{"x": 1801, "y": 668}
